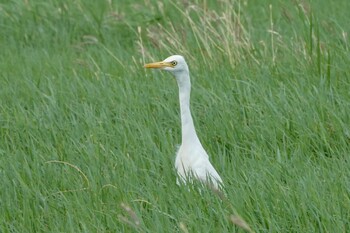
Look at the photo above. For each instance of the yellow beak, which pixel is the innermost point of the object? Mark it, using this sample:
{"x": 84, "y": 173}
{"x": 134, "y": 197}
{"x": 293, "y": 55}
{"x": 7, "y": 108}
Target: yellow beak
{"x": 160, "y": 64}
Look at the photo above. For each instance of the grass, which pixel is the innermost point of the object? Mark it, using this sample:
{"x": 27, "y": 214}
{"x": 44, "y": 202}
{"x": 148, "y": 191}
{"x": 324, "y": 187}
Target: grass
{"x": 88, "y": 136}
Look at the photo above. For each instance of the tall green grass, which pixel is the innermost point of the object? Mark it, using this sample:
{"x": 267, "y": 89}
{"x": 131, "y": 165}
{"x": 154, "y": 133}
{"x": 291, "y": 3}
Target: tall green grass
{"x": 88, "y": 137}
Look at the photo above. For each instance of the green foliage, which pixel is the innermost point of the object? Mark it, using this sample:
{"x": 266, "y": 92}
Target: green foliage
{"x": 88, "y": 137}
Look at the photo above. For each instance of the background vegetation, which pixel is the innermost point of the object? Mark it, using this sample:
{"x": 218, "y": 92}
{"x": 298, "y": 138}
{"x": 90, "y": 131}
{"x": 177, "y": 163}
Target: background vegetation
{"x": 88, "y": 136}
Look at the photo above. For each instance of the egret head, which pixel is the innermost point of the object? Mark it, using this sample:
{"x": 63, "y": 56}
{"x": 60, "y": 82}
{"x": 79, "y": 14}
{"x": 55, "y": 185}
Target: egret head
{"x": 176, "y": 64}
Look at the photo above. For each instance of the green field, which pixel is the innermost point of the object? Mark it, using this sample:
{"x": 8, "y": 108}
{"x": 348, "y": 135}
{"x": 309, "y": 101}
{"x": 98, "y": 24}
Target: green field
{"x": 88, "y": 136}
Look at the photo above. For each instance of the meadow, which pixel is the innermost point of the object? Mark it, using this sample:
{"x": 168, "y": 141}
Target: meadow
{"x": 88, "y": 136}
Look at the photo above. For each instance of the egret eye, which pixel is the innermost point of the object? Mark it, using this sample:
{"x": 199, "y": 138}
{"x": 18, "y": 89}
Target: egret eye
{"x": 173, "y": 63}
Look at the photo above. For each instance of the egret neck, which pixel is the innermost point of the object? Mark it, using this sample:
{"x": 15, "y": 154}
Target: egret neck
{"x": 189, "y": 135}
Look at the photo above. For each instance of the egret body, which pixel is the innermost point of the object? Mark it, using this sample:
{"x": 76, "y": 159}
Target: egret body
{"x": 192, "y": 161}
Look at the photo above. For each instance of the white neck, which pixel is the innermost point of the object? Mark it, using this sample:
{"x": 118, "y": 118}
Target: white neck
{"x": 189, "y": 134}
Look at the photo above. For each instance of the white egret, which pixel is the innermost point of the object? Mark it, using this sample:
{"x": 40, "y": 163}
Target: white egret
{"x": 192, "y": 161}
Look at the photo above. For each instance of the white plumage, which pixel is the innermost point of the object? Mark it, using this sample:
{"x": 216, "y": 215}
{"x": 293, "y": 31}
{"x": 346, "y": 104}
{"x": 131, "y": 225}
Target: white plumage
{"x": 192, "y": 161}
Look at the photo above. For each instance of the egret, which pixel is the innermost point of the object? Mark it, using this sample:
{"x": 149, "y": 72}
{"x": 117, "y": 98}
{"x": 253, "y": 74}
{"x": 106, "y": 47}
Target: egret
{"x": 192, "y": 161}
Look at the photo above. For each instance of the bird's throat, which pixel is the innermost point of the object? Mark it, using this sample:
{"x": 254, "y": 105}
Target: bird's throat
{"x": 188, "y": 131}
